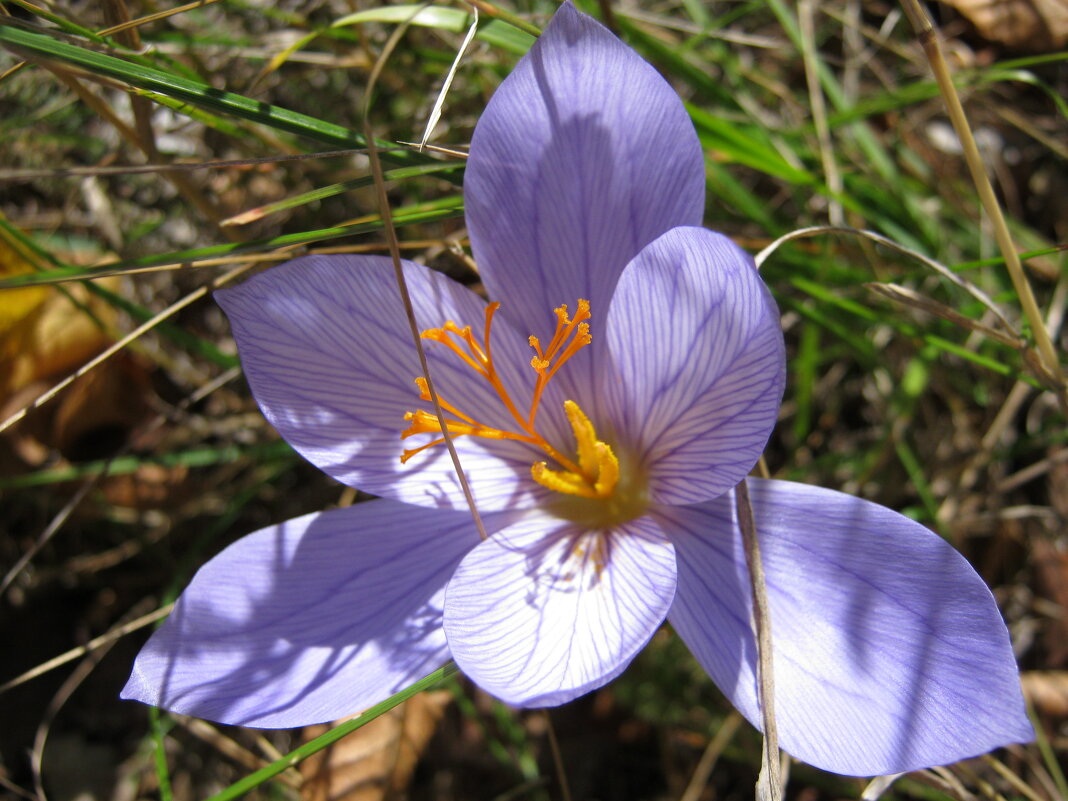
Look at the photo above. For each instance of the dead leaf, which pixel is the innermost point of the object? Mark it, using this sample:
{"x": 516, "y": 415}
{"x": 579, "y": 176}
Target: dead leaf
{"x": 1033, "y": 25}
{"x": 1047, "y": 690}
{"x": 45, "y": 331}
{"x": 374, "y": 763}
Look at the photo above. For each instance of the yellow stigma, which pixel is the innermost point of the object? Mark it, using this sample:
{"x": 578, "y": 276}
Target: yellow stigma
{"x": 594, "y": 474}
{"x": 598, "y": 470}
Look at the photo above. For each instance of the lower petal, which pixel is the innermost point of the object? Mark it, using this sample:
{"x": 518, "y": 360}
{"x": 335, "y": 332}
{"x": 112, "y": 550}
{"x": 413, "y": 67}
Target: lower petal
{"x": 889, "y": 650}
{"x": 310, "y": 620}
{"x": 544, "y": 611}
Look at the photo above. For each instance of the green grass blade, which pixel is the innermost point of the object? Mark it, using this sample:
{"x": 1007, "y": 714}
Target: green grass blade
{"x": 496, "y": 32}
{"x": 125, "y": 465}
{"x": 40, "y": 46}
{"x": 159, "y": 754}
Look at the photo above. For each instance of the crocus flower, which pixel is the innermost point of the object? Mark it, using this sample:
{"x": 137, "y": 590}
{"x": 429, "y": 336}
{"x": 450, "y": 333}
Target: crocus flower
{"x": 624, "y": 378}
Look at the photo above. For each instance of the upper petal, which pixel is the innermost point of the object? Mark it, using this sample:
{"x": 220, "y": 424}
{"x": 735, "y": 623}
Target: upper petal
{"x": 310, "y": 620}
{"x": 698, "y": 364}
{"x": 544, "y": 612}
{"x": 582, "y": 157}
{"x": 889, "y": 651}
{"x": 329, "y": 355}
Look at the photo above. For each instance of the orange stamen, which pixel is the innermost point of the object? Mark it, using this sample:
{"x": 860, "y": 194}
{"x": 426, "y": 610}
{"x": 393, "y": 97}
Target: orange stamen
{"x": 592, "y": 477}
{"x": 424, "y": 394}
{"x": 543, "y": 364}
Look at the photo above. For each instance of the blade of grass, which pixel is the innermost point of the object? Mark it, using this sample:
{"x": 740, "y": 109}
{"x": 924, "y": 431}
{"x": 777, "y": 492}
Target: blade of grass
{"x": 746, "y": 146}
{"x": 125, "y": 465}
{"x": 803, "y": 372}
{"x": 159, "y": 755}
{"x": 861, "y": 134}
{"x": 41, "y": 46}
{"x": 497, "y": 32}
{"x": 1049, "y": 756}
{"x": 176, "y": 334}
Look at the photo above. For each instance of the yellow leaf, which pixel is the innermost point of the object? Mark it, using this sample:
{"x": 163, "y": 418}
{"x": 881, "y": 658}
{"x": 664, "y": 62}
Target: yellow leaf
{"x": 43, "y": 332}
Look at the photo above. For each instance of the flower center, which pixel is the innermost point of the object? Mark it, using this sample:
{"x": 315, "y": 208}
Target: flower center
{"x": 593, "y": 474}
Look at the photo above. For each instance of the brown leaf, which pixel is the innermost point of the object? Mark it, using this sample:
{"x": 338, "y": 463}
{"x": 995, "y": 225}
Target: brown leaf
{"x": 374, "y": 763}
{"x": 95, "y": 415}
{"x": 1032, "y": 25}
{"x": 1047, "y": 690}
{"x": 47, "y": 333}
{"x": 90, "y": 419}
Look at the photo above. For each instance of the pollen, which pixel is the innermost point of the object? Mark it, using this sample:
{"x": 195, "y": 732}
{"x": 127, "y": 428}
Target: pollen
{"x": 593, "y": 473}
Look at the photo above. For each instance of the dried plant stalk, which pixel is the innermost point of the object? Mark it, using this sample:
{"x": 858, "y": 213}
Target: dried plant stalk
{"x": 932, "y": 47}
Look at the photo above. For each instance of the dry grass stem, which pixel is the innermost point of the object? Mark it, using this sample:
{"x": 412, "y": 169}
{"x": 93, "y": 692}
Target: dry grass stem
{"x": 170, "y": 12}
{"x": 769, "y": 785}
{"x": 97, "y": 642}
{"x": 46, "y": 535}
{"x": 558, "y": 757}
{"x": 435, "y": 112}
{"x": 879, "y": 785}
{"x": 932, "y": 46}
{"x": 938, "y": 267}
{"x": 695, "y": 789}
{"x": 806, "y": 12}
{"x": 920, "y": 302}
{"x": 402, "y": 285}
{"x": 203, "y": 730}
{"x": 149, "y": 169}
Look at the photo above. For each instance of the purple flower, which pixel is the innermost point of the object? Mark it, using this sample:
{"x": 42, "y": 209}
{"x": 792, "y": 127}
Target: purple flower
{"x": 602, "y": 440}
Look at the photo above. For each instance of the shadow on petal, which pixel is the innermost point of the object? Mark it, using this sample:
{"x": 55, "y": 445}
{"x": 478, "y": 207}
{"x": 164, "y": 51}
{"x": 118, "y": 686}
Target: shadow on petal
{"x": 890, "y": 653}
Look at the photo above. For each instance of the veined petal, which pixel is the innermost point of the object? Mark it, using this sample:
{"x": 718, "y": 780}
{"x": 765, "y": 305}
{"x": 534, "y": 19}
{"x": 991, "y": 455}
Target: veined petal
{"x": 544, "y": 612}
{"x": 889, "y": 651}
{"x": 582, "y": 157}
{"x": 329, "y": 355}
{"x": 310, "y": 620}
{"x": 698, "y": 364}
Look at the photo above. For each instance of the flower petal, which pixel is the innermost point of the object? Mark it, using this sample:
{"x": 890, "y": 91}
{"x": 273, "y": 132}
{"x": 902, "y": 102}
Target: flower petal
{"x": 889, "y": 651}
{"x": 582, "y": 157}
{"x": 310, "y": 620}
{"x": 544, "y": 611}
{"x": 700, "y": 364}
{"x": 329, "y": 355}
